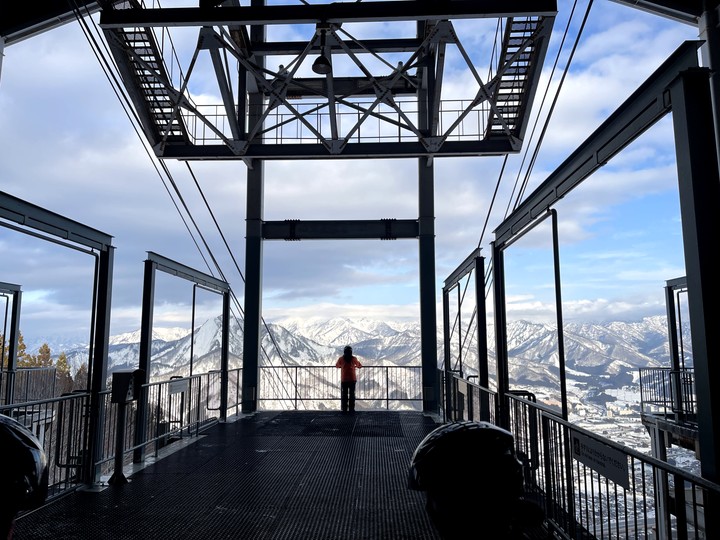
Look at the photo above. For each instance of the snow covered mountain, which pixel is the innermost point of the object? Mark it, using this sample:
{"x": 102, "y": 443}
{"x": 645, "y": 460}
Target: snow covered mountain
{"x": 607, "y": 354}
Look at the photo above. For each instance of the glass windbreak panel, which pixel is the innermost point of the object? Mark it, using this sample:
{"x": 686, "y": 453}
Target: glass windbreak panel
{"x": 463, "y": 328}
{"x": 620, "y": 242}
{"x": 56, "y": 303}
{"x": 491, "y": 337}
{"x": 361, "y": 293}
{"x": 532, "y": 332}
{"x": 207, "y": 334}
{"x": 171, "y": 328}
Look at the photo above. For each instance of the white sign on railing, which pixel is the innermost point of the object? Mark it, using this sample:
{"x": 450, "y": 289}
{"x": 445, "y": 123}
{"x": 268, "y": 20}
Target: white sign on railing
{"x": 608, "y": 461}
{"x": 178, "y": 386}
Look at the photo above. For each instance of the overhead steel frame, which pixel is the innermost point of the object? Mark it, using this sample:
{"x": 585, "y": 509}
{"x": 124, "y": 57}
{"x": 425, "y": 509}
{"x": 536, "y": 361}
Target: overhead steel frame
{"x": 681, "y": 87}
{"x": 163, "y": 106}
{"x": 154, "y": 263}
{"x": 168, "y": 114}
{"x": 474, "y": 263}
{"x": 14, "y": 296}
{"x": 41, "y": 223}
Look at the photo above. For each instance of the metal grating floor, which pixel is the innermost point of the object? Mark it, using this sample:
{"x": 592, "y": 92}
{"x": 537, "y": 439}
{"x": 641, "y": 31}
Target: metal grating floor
{"x": 273, "y": 475}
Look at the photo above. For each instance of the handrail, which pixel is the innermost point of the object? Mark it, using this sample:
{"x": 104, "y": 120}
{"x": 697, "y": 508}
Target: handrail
{"x": 593, "y": 487}
{"x": 669, "y": 393}
{"x": 319, "y": 387}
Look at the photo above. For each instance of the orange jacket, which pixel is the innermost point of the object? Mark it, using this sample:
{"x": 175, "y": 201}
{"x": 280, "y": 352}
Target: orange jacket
{"x": 348, "y": 369}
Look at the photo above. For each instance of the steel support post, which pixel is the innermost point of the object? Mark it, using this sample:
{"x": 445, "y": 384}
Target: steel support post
{"x": 446, "y": 353}
{"x": 98, "y": 373}
{"x": 481, "y": 335}
{"x": 13, "y": 345}
{"x": 709, "y": 32}
{"x": 428, "y": 315}
{"x": 2, "y": 54}
{"x": 253, "y": 287}
{"x": 146, "y": 323}
{"x": 224, "y": 353}
{"x": 699, "y": 188}
{"x": 501, "y": 354}
{"x": 675, "y": 375}
{"x": 253, "y": 246}
{"x": 559, "y": 315}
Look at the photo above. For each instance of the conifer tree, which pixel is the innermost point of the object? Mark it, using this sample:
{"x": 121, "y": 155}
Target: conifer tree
{"x": 80, "y": 381}
{"x": 22, "y": 355}
{"x": 42, "y": 359}
{"x": 62, "y": 374}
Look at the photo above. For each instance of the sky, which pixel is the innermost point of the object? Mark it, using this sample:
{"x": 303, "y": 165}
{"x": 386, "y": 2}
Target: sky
{"x": 68, "y": 145}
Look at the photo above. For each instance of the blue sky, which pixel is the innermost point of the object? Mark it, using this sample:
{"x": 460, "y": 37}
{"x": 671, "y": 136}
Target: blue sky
{"x": 67, "y": 145}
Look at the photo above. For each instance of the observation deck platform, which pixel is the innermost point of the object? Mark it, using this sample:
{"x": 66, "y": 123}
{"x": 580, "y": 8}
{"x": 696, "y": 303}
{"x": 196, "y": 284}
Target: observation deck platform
{"x": 271, "y": 475}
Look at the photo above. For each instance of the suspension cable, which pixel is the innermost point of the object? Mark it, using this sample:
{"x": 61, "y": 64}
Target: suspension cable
{"x": 132, "y": 116}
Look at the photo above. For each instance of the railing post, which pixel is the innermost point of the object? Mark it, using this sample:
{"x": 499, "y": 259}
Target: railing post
{"x": 680, "y": 516}
{"x": 118, "y": 476}
{"x": 570, "y": 488}
{"x": 387, "y": 388}
{"x": 199, "y": 401}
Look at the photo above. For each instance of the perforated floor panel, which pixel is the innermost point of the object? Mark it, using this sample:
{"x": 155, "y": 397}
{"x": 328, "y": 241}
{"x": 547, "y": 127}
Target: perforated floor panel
{"x": 286, "y": 475}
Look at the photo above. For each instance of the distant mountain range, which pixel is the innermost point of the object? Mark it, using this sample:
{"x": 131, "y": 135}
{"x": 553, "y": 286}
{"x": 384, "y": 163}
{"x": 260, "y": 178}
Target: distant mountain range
{"x": 602, "y": 360}
{"x": 604, "y": 354}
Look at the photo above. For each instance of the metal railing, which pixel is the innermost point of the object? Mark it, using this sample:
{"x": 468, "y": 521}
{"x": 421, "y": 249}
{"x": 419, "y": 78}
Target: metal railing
{"x": 60, "y": 424}
{"x": 386, "y": 124}
{"x": 592, "y": 487}
{"x": 669, "y": 393}
{"x": 29, "y": 384}
{"x": 176, "y": 409}
{"x": 318, "y": 387}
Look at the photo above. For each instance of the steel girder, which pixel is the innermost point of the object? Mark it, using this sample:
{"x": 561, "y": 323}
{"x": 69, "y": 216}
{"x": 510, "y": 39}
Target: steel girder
{"x": 370, "y": 108}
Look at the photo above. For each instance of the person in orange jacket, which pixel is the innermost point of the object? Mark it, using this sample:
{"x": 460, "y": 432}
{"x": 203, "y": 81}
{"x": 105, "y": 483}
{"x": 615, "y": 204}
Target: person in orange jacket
{"x": 348, "y": 365}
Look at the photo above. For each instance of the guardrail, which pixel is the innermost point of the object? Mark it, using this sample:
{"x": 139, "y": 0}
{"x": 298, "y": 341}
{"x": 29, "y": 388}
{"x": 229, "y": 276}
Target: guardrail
{"x": 669, "y": 393}
{"x": 29, "y": 384}
{"x": 60, "y": 424}
{"x": 176, "y": 409}
{"x": 182, "y": 407}
{"x": 318, "y": 387}
{"x": 592, "y": 487}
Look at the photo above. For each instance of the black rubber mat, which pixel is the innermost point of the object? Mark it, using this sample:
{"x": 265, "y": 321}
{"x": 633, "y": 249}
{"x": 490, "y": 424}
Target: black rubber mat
{"x": 273, "y": 475}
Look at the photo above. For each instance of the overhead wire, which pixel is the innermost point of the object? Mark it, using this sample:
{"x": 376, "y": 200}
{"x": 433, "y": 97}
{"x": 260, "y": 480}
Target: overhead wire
{"x": 168, "y": 178}
{"x": 520, "y": 192}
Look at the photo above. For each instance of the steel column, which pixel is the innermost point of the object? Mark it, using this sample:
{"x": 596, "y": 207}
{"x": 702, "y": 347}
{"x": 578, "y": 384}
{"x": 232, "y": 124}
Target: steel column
{"x": 146, "y": 322}
{"x": 699, "y": 188}
{"x": 482, "y": 349}
{"x": 558, "y": 315}
{"x": 12, "y": 341}
{"x": 446, "y": 353}
{"x": 224, "y": 353}
{"x": 253, "y": 247}
{"x": 253, "y": 287}
{"x": 428, "y": 320}
{"x": 98, "y": 383}
{"x": 501, "y": 353}
{"x": 708, "y": 31}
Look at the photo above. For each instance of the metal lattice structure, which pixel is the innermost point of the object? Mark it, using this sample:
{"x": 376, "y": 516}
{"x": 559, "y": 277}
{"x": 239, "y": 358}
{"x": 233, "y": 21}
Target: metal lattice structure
{"x": 333, "y": 93}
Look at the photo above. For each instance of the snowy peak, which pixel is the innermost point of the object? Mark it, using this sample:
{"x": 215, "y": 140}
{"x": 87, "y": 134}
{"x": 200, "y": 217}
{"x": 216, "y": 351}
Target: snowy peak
{"x": 161, "y": 334}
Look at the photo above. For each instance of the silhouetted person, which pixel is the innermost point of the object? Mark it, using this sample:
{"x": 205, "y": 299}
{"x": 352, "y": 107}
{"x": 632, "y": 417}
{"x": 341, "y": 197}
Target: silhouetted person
{"x": 473, "y": 484}
{"x": 23, "y": 473}
{"x": 348, "y": 365}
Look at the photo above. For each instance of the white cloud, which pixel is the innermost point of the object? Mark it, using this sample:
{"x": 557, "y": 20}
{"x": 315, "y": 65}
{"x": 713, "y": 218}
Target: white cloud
{"x": 71, "y": 149}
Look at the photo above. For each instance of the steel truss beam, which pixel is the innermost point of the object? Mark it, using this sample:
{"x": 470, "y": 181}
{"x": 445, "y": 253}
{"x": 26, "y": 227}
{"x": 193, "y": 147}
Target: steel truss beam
{"x": 371, "y": 115}
{"x": 638, "y": 113}
{"x": 417, "y": 10}
{"x": 383, "y": 229}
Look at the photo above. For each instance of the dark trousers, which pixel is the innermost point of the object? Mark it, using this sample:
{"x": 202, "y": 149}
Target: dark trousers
{"x": 347, "y": 395}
